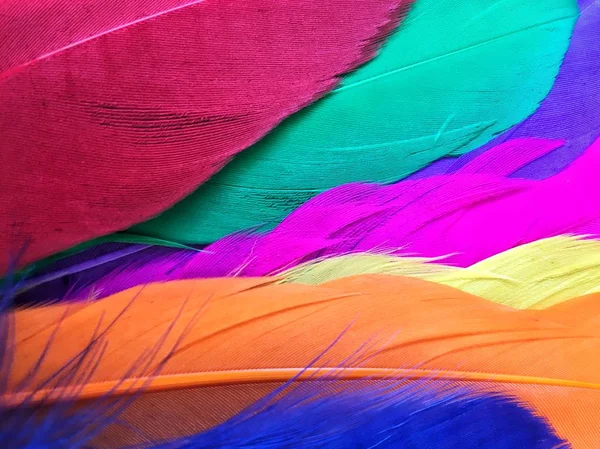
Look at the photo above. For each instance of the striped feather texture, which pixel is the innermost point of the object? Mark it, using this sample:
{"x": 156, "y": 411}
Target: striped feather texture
{"x": 429, "y": 94}
{"x": 469, "y": 208}
{"x": 348, "y": 281}
{"x": 235, "y": 333}
{"x": 113, "y": 111}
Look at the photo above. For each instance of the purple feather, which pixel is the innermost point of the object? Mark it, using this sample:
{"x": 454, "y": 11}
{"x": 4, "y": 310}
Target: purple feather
{"x": 463, "y": 214}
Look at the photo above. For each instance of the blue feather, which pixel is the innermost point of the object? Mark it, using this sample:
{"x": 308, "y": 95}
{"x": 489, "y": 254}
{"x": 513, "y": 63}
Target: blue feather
{"x": 321, "y": 415}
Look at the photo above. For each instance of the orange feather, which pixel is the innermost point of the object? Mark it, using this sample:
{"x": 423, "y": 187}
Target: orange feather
{"x": 242, "y": 337}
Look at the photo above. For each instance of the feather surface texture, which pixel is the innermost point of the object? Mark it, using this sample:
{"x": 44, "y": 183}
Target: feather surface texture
{"x": 373, "y": 236}
{"x": 464, "y": 209}
{"x": 421, "y": 332}
{"x": 571, "y": 111}
{"x": 468, "y": 208}
{"x": 428, "y": 94}
{"x": 536, "y": 275}
{"x": 323, "y": 416}
{"x": 112, "y": 111}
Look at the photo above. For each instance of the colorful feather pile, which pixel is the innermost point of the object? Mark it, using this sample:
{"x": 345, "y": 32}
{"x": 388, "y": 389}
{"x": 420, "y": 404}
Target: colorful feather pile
{"x": 286, "y": 224}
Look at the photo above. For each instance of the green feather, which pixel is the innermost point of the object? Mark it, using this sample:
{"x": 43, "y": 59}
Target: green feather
{"x": 457, "y": 73}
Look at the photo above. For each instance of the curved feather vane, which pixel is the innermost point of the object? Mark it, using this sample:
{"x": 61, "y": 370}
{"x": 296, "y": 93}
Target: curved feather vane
{"x": 112, "y": 111}
{"x": 571, "y": 111}
{"x": 501, "y": 160}
{"x": 474, "y": 343}
{"x": 546, "y": 272}
{"x": 468, "y": 208}
{"x": 428, "y": 230}
{"x": 456, "y": 74}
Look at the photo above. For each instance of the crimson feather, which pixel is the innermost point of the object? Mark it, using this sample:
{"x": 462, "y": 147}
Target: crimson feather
{"x": 112, "y": 111}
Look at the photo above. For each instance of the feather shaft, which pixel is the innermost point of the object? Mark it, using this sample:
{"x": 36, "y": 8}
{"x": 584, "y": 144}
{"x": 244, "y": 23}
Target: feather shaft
{"x": 470, "y": 335}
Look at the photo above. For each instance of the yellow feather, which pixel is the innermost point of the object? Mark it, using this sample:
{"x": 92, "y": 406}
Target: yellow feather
{"x": 533, "y": 276}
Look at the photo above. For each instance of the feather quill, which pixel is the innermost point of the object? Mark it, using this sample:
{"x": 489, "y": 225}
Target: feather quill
{"x": 473, "y": 343}
{"x": 112, "y": 111}
{"x": 455, "y": 74}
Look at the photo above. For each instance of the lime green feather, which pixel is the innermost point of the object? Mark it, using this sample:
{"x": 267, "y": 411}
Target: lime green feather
{"x": 533, "y": 276}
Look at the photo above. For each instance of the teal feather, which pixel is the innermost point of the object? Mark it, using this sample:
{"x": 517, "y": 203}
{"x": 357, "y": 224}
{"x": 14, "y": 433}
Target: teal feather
{"x": 452, "y": 77}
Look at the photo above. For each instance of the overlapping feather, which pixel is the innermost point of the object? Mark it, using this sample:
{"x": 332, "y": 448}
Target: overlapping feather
{"x": 571, "y": 111}
{"x": 468, "y": 208}
{"x": 413, "y": 356}
{"x": 547, "y": 272}
{"x": 429, "y": 94}
{"x": 577, "y": 68}
{"x": 238, "y": 342}
{"x": 112, "y": 111}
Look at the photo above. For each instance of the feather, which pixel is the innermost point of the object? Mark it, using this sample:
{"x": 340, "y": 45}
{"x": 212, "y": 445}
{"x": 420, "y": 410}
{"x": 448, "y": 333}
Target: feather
{"x": 452, "y": 215}
{"x": 80, "y": 275}
{"x": 56, "y": 421}
{"x": 571, "y": 111}
{"x": 385, "y": 419}
{"x": 402, "y": 417}
{"x": 235, "y": 358}
{"x": 467, "y": 208}
{"x": 429, "y": 356}
{"x": 53, "y": 272}
{"x": 495, "y": 162}
{"x": 537, "y": 275}
{"x": 112, "y": 111}
{"x": 456, "y": 74}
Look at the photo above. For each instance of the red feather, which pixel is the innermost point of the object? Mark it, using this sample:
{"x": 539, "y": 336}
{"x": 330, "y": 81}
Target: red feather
{"x": 113, "y": 110}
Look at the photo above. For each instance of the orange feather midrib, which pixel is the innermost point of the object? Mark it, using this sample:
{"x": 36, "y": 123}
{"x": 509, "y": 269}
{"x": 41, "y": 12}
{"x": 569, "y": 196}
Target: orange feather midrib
{"x": 194, "y": 380}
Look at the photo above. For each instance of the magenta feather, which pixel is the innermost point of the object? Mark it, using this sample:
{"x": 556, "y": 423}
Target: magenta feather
{"x": 461, "y": 216}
